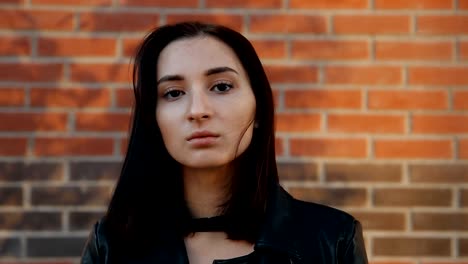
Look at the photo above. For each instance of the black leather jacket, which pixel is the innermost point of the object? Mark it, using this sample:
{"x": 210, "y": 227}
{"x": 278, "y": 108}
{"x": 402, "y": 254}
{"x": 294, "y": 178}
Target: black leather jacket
{"x": 295, "y": 232}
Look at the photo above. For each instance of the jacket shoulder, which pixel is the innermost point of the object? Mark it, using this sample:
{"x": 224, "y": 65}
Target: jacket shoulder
{"x": 319, "y": 225}
{"x": 96, "y": 247}
{"x": 322, "y": 216}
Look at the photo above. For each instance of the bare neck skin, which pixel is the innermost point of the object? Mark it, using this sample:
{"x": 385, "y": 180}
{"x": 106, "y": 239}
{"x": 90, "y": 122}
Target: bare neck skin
{"x": 205, "y": 190}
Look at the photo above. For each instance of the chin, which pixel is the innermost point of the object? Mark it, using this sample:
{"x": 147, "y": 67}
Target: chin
{"x": 207, "y": 161}
{"x": 205, "y": 164}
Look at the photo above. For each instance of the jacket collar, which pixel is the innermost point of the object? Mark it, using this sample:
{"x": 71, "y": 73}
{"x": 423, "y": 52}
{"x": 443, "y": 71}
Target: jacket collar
{"x": 276, "y": 233}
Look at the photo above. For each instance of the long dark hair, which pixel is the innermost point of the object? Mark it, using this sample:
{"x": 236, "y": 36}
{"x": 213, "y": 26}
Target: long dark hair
{"x": 148, "y": 203}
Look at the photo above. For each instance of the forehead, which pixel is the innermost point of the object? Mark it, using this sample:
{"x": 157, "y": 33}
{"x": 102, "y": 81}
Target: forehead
{"x": 195, "y": 55}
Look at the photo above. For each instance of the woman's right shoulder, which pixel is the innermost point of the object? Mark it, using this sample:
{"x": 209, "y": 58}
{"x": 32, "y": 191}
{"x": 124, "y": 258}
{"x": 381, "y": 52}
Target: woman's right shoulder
{"x": 96, "y": 248}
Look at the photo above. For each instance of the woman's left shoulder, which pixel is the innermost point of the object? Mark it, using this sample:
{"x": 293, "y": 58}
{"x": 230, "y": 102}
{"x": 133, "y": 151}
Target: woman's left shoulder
{"x": 315, "y": 215}
{"x": 312, "y": 224}
{"x": 321, "y": 214}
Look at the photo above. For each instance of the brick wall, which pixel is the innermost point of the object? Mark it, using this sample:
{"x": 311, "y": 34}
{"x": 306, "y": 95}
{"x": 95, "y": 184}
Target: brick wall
{"x": 372, "y": 100}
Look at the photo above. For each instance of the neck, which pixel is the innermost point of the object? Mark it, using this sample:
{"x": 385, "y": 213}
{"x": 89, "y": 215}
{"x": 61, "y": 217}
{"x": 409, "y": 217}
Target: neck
{"x": 205, "y": 190}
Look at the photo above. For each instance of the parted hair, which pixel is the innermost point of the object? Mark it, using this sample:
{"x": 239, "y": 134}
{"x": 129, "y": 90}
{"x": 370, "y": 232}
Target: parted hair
{"x": 148, "y": 202}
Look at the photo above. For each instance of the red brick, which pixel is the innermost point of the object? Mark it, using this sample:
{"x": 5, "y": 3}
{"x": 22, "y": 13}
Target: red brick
{"x": 381, "y": 221}
{"x": 327, "y": 4}
{"x": 358, "y": 123}
{"x": 448, "y": 261}
{"x": 464, "y": 199}
{"x": 363, "y": 75}
{"x": 70, "y": 195}
{"x": 393, "y": 262}
{"x": 232, "y": 21}
{"x": 440, "y": 124}
{"x": 159, "y": 3}
{"x": 276, "y": 99}
{"x": 438, "y": 75}
{"x": 101, "y": 73}
{"x": 444, "y": 262}
{"x": 11, "y": 196}
{"x": 13, "y": 146}
{"x": 329, "y": 49}
{"x": 124, "y": 97}
{"x": 440, "y": 221}
{"x": 333, "y": 197}
{"x": 408, "y": 197}
{"x": 438, "y": 173}
{"x": 400, "y": 149}
{"x": 298, "y": 171}
{"x": 76, "y": 46}
{"x": 267, "y": 23}
{"x": 413, "y": 4}
{"x": 30, "y": 221}
{"x": 123, "y": 145}
{"x": 94, "y": 170}
{"x": 70, "y": 97}
{"x": 117, "y": 21}
{"x": 244, "y": 3}
{"x": 463, "y": 148}
{"x": 362, "y": 172}
{"x": 33, "y": 122}
{"x": 31, "y": 72}
{"x": 407, "y": 100}
{"x": 36, "y": 19}
{"x": 97, "y": 3}
{"x": 328, "y": 147}
{"x": 279, "y": 149}
{"x": 292, "y": 74}
{"x": 108, "y": 122}
{"x": 371, "y": 24}
{"x": 411, "y": 247}
{"x": 442, "y": 25}
{"x": 320, "y": 99}
{"x": 398, "y": 50}
{"x": 74, "y": 146}
{"x": 130, "y": 46}
{"x": 292, "y": 122}
{"x": 463, "y": 247}
{"x": 84, "y": 221}
{"x": 462, "y": 4}
{"x": 270, "y": 49}
{"x": 463, "y": 50}
{"x": 31, "y": 171}
{"x": 15, "y": 46}
{"x": 13, "y": 1}
{"x": 12, "y": 96}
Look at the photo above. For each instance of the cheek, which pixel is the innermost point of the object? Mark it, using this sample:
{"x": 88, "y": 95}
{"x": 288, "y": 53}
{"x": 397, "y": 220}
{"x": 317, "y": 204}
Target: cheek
{"x": 166, "y": 126}
{"x": 245, "y": 119}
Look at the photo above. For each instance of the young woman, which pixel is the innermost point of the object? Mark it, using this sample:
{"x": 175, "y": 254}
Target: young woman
{"x": 199, "y": 183}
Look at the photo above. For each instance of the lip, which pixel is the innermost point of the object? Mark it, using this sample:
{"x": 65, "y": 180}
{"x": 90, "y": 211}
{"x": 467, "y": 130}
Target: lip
{"x": 200, "y": 135}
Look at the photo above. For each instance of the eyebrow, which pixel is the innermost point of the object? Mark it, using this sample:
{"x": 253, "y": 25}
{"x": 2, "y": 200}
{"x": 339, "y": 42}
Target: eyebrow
{"x": 209, "y": 72}
{"x": 219, "y": 70}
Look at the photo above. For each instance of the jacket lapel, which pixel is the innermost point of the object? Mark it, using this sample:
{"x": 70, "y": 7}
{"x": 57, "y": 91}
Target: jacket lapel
{"x": 276, "y": 238}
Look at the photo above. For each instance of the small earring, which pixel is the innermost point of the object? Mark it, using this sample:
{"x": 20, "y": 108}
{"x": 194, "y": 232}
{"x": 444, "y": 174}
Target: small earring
{"x": 256, "y": 124}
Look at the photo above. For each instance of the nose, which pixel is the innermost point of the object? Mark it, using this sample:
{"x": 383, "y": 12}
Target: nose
{"x": 200, "y": 106}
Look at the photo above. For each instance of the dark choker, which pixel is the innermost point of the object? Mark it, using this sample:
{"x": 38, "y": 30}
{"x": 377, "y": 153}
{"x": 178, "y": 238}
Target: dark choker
{"x": 208, "y": 224}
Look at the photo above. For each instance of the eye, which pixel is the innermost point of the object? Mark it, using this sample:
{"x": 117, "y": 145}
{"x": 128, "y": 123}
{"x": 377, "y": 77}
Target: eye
{"x": 222, "y": 87}
{"x": 173, "y": 94}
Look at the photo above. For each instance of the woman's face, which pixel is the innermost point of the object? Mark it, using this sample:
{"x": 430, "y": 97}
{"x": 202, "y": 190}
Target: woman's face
{"x": 205, "y": 105}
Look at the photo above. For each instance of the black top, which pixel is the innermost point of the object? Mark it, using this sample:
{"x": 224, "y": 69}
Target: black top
{"x": 208, "y": 224}
{"x": 247, "y": 259}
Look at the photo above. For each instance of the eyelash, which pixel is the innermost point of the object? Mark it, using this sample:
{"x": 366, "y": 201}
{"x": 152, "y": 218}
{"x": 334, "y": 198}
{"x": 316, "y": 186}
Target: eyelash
{"x": 169, "y": 91}
{"x": 228, "y": 84}
{"x": 167, "y": 94}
